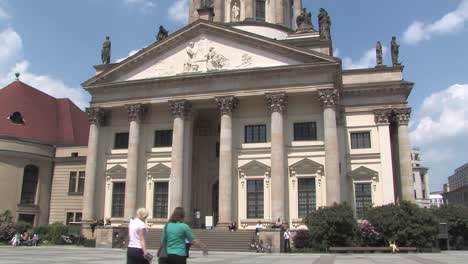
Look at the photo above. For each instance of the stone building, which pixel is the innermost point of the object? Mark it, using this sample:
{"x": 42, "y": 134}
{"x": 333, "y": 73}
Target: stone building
{"x": 42, "y": 155}
{"x": 458, "y": 183}
{"x": 420, "y": 180}
{"x": 244, "y": 118}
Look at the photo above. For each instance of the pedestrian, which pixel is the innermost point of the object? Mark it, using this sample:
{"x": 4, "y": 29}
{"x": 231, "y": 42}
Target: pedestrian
{"x": 175, "y": 234}
{"x": 258, "y": 227}
{"x": 136, "y": 251}
{"x": 287, "y": 243}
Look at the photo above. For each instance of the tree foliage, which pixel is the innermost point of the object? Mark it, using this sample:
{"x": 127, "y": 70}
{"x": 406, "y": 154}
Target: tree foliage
{"x": 332, "y": 226}
{"x": 456, "y": 218}
{"x": 407, "y": 224}
{"x": 301, "y": 239}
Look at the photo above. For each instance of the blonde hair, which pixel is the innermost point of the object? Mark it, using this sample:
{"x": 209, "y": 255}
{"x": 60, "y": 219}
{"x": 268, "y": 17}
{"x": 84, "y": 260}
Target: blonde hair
{"x": 142, "y": 213}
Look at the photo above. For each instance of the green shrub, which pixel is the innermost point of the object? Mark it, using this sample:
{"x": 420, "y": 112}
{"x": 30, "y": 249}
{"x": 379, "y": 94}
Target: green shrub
{"x": 7, "y": 231}
{"x": 456, "y": 218}
{"x": 369, "y": 236}
{"x": 22, "y": 227}
{"x": 6, "y": 217}
{"x": 52, "y": 233}
{"x": 331, "y": 227}
{"x": 301, "y": 239}
{"x": 407, "y": 224}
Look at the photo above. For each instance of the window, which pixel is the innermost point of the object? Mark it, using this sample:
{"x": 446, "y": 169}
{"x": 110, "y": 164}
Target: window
{"x": 73, "y": 217}
{"x": 29, "y": 188}
{"x": 260, "y": 10}
{"x": 76, "y": 183}
{"x": 415, "y": 195}
{"x": 160, "y": 199}
{"x": 28, "y": 218}
{"x": 74, "y": 154}
{"x": 118, "y": 199}
{"x": 363, "y": 196}
{"x": 306, "y": 196}
{"x": 422, "y": 178}
{"x": 255, "y": 134}
{"x": 255, "y": 199}
{"x": 305, "y": 131}
{"x": 121, "y": 140}
{"x": 163, "y": 138}
{"x": 360, "y": 140}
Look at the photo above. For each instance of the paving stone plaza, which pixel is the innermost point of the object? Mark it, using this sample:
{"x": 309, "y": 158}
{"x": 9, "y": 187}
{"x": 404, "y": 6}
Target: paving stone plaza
{"x": 72, "y": 255}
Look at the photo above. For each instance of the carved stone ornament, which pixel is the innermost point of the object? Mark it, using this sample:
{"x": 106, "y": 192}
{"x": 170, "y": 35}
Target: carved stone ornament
{"x": 96, "y": 115}
{"x": 277, "y": 102}
{"x": 402, "y": 116}
{"x": 136, "y": 112}
{"x": 328, "y": 97}
{"x": 180, "y": 108}
{"x": 382, "y": 117}
{"x": 227, "y": 104}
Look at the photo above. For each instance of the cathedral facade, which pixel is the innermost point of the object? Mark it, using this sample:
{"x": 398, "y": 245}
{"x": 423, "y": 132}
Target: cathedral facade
{"x": 245, "y": 115}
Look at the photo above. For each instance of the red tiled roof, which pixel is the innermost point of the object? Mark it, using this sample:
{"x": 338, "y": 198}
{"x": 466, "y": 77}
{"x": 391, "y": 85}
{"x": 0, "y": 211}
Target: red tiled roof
{"x": 47, "y": 119}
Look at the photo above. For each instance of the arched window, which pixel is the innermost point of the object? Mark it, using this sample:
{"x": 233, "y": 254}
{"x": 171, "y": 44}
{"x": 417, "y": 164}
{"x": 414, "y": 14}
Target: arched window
{"x": 30, "y": 179}
{"x": 260, "y": 10}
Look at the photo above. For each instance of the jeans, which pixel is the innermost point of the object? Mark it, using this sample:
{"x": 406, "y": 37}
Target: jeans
{"x": 135, "y": 256}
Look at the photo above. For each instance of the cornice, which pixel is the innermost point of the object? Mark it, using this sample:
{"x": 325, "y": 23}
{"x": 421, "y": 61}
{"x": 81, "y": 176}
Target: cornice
{"x": 383, "y": 68}
{"x": 402, "y": 87}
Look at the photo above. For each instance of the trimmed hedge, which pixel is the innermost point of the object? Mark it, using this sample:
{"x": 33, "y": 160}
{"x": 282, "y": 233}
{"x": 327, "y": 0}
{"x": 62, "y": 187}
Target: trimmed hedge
{"x": 456, "y": 218}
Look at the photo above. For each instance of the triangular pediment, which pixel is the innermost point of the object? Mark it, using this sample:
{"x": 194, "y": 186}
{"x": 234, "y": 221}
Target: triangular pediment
{"x": 117, "y": 172}
{"x": 306, "y": 167}
{"x": 159, "y": 171}
{"x": 205, "y": 47}
{"x": 254, "y": 168}
{"x": 364, "y": 174}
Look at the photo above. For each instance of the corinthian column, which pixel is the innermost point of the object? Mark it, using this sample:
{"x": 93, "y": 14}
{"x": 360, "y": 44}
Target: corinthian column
{"x": 136, "y": 114}
{"x": 404, "y": 150}
{"x": 96, "y": 118}
{"x": 382, "y": 119}
{"x": 277, "y": 103}
{"x": 180, "y": 110}
{"x": 328, "y": 98}
{"x": 226, "y": 105}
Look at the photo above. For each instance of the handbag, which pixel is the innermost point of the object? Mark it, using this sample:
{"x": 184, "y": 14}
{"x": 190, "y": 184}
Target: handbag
{"x": 162, "y": 252}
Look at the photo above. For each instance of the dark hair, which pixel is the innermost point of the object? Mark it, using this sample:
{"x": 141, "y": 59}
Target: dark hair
{"x": 178, "y": 215}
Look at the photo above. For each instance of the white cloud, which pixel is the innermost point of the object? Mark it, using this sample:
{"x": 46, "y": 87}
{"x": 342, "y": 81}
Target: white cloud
{"x": 11, "y": 62}
{"x": 179, "y": 11}
{"x": 443, "y": 115}
{"x": 142, "y": 4}
{"x": 131, "y": 53}
{"x": 368, "y": 60}
{"x": 3, "y": 13}
{"x": 448, "y": 24}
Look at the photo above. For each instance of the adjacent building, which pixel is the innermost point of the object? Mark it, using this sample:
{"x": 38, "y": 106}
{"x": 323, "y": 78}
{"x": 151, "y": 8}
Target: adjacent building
{"x": 42, "y": 139}
{"x": 437, "y": 199}
{"x": 457, "y": 187}
{"x": 420, "y": 180}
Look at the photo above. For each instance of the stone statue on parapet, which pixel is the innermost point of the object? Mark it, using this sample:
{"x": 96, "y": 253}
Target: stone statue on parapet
{"x": 162, "y": 34}
{"x": 206, "y": 4}
{"x": 395, "y": 49}
{"x": 324, "y": 24}
{"x": 378, "y": 53}
{"x": 304, "y": 21}
{"x": 106, "y": 51}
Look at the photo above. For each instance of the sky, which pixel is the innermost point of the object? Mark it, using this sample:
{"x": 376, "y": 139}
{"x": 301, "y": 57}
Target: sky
{"x": 55, "y": 43}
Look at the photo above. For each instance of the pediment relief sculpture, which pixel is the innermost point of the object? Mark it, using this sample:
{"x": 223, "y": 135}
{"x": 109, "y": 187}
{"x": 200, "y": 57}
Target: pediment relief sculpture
{"x": 254, "y": 168}
{"x": 306, "y": 167}
{"x": 116, "y": 172}
{"x": 364, "y": 174}
{"x": 159, "y": 171}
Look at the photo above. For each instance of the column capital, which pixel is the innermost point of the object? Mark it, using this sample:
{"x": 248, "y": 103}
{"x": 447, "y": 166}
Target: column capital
{"x": 180, "y": 108}
{"x": 277, "y": 102}
{"x": 96, "y": 115}
{"x": 402, "y": 115}
{"x": 382, "y": 116}
{"x": 136, "y": 112}
{"x": 328, "y": 97}
{"x": 227, "y": 104}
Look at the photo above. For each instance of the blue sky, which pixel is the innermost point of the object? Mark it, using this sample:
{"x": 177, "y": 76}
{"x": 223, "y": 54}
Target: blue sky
{"x": 54, "y": 45}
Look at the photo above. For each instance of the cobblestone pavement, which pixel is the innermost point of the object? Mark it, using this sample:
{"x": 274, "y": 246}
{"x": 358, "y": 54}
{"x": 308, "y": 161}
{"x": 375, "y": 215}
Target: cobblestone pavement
{"x": 72, "y": 255}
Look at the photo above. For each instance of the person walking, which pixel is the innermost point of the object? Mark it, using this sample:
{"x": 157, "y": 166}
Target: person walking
{"x": 287, "y": 243}
{"x": 177, "y": 232}
{"x": 136, "y": 251}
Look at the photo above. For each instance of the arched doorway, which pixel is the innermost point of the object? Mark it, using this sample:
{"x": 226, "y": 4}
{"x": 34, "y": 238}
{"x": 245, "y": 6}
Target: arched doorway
{"x": 215, "y": 201}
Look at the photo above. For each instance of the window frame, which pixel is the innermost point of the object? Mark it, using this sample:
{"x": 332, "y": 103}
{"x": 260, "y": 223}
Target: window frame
{"x": 260, "y": 15}
{"x": 117, "y": 140}
{"x": 118, "y": 209}
{"x": 297, "y": 136}
{"x": 359, "y": 143}
{"x": 29, "y": 185}
{"x": 258, "y": 134}
{"x": 310, "y": 199}
{"x": 158, "y": 144}
{"x": 161, "y": 211}
{"x": 76, "y": 182}
{"x": 361, "y": 211}
{"x": 258, "y": 199}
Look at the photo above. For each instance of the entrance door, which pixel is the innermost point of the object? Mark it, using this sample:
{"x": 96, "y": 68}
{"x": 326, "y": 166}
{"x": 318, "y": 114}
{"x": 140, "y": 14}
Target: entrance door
{"x": 215, "y": 201}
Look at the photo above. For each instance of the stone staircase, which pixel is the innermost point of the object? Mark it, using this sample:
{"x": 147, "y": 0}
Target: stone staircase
{"x": 216, "y": 240}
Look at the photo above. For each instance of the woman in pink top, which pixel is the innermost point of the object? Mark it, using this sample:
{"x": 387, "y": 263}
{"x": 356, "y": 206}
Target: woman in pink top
{"x": 136, "y": 251}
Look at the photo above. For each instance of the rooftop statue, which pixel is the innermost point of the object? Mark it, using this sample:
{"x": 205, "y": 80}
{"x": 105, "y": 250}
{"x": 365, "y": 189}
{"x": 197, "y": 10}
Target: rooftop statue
{"x": 162, "y": 34}
{"x": 378, "y": 53}
{"x": 324, "y": 24}
{"x": 395, "y": 49}
{"x": 304, "y": 21}
{"x": 106, "y": 51}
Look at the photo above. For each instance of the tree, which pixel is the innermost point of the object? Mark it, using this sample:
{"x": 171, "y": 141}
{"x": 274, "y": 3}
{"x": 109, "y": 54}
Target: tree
{"x": 407, "y": 224}
{"x": 332, "y": 226}
{"x": 456, "y": 218}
